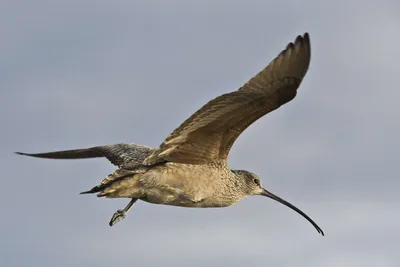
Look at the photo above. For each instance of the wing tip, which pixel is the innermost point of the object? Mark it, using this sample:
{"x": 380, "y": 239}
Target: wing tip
{"x": 22, "y": 153}
{"x": 306, "y": 36}
{"x": 35, "y": 155}
{"x": 300, "y": 40}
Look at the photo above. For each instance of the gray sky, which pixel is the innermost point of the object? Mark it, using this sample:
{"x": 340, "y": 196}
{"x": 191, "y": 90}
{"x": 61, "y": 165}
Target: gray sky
{"x": 83, "y": 73}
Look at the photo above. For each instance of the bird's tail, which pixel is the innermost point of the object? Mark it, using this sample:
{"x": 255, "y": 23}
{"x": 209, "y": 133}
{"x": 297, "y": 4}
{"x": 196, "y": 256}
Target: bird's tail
{"x": 121, "y": 179}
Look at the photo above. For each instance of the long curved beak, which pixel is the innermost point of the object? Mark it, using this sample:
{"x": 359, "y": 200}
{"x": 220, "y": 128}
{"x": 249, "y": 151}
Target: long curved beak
{"x": 284, "y": 202}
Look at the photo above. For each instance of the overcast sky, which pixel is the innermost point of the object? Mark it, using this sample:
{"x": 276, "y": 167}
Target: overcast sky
{"x": 83, "y": 73}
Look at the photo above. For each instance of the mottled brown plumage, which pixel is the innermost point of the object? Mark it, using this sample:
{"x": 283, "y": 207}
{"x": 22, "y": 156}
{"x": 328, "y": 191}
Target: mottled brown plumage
{"x": 189, "y": 168}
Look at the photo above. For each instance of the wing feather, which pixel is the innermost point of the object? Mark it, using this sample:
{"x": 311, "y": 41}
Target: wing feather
{"x": 209, "y": 133}
{"x": 127, "y": 155}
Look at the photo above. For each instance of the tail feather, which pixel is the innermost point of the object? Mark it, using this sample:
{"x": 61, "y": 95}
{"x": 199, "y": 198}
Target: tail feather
{"x": 95, "y": 189}
{"x": 99, "y": 188}
{"x": 103, "y": 194}
{"x": 108, "y": 181}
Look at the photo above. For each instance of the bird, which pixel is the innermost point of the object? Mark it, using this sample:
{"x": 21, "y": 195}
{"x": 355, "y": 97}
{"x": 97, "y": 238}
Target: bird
{"x": 189, "y": 168}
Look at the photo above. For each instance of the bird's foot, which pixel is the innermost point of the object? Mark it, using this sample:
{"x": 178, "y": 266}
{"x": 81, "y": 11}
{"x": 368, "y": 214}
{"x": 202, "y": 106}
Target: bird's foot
{"x": 117, "y": 217}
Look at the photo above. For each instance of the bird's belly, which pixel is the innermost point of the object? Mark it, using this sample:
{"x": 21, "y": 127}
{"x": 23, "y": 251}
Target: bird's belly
{"x": 182, "y": 200}
{"x": 187, "y": 186}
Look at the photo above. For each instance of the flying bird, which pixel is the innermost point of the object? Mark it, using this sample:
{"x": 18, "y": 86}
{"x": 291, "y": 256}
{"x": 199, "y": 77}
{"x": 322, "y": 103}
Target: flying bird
{"x": 189, "y": 168}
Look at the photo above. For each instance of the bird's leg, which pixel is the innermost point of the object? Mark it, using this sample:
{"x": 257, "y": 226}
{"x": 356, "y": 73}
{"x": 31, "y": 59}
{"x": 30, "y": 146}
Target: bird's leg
{"x": 120, "y": 214}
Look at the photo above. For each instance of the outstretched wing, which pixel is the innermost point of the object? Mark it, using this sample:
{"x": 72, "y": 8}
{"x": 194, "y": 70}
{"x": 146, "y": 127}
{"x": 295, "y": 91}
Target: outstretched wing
{"x": 122, "y": 155}
{"x": 208, "y": 134}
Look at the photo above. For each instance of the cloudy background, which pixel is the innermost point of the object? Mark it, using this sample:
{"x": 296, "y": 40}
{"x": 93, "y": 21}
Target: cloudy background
{"x": 83, "y": 73}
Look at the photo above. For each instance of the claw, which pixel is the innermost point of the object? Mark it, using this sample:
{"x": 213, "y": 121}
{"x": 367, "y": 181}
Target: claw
{"x": 117, "y": 217}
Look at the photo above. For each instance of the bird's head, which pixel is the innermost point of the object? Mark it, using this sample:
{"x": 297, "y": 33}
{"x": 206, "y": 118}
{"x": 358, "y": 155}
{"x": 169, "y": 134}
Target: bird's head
{"x": 248, "y": 182}
{"x": 250, "y": 185}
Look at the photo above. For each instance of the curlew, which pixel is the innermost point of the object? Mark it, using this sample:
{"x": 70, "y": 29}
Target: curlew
{"x": 189, "y": 168}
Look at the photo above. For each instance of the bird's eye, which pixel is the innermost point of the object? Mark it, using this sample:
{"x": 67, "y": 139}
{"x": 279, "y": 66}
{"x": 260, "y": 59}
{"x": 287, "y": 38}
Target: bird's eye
{"x": 257, "y": 182}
